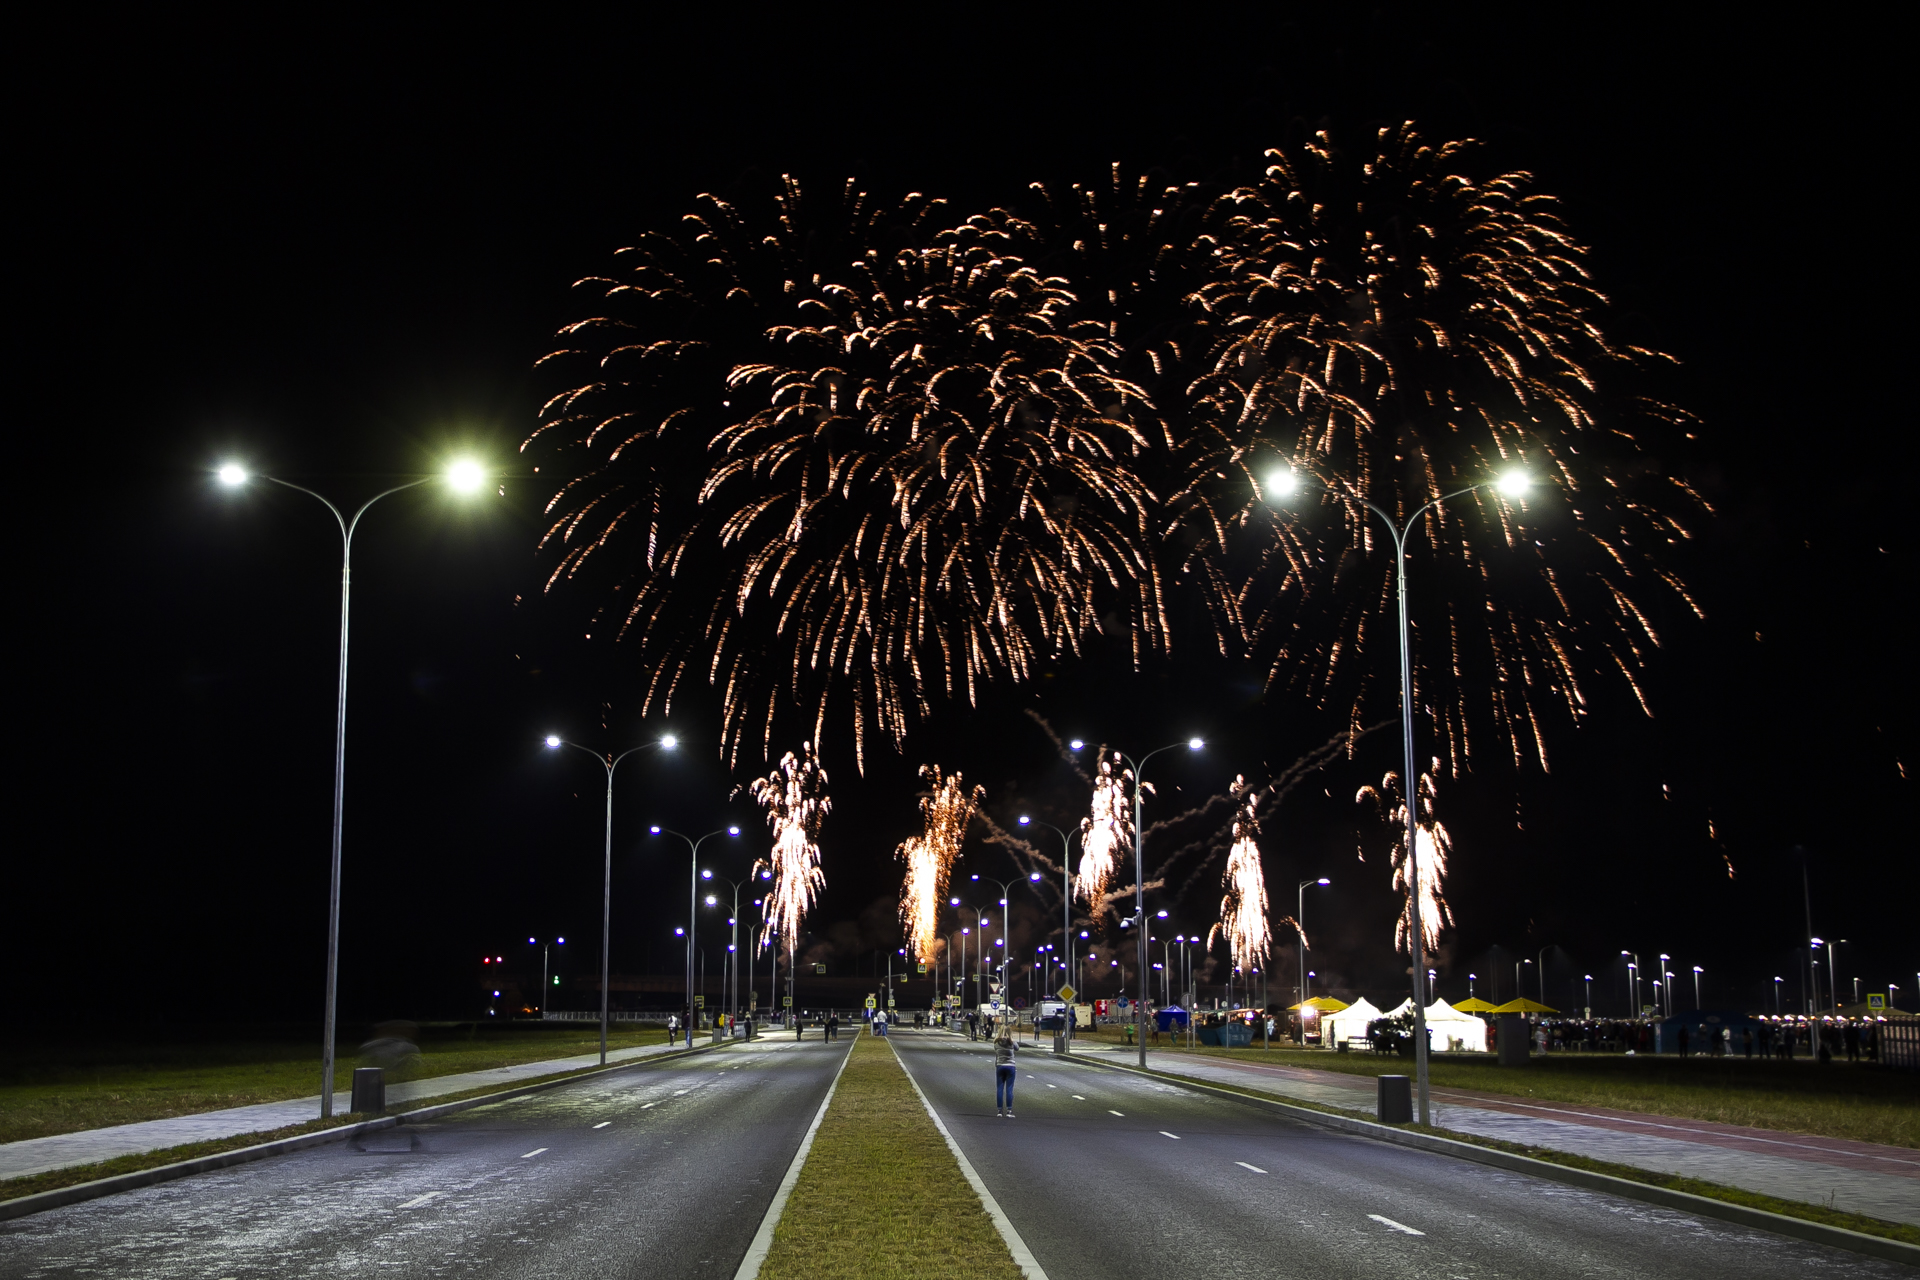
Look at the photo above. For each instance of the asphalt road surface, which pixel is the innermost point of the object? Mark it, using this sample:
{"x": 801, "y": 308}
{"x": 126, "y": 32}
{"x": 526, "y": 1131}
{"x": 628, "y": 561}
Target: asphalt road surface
{"x": 661, "y": 1171}
{"x": 1109, "y": 1176}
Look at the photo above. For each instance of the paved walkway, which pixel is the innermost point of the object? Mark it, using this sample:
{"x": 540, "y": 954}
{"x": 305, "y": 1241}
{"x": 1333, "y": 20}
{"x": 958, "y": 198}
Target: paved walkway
{"x": 1861, "y": 1177}
{"x": 39, "y": 1155}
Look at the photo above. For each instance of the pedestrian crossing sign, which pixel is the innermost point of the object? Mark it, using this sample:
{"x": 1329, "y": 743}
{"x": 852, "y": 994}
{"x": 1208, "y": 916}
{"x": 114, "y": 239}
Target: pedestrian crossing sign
{"x": 872, "y": 1003}
{"x": 786, "y": 1002}
{"x": 699, "y": 1002}
{"x": 1876, "y": 1004}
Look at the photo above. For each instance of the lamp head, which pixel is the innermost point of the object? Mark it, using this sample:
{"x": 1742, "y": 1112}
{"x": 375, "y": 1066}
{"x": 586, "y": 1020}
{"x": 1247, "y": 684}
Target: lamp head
{"x": 1034, "y": 876}
{"x": 733, "y": 831}
{"x": 232, "y": 475}
{"x": 1024, "y": 819}
{"x": 560, "y": 942}
{"x": 1194, "y": 744}
{"x": 1076, "y": 744}
{"x": 529, "y": 941}
{"x": 977, "y": 876}
{"x": 1161, "y": 914}
{"x": 705, "y": 874}
{"x": 953, "y": 902}
{"x": 1284, "y": 484}
{"x": 668, "y": 741}
{"x": 553, "y": 740}
{"x": 654, "y": 830}
{"x": 678, "y": 932}
{"x": 465, "y": 476}
{"x": 710, "y": 899}
{"x": 1514, "y": 484}
{"x": 1323, "y": 880}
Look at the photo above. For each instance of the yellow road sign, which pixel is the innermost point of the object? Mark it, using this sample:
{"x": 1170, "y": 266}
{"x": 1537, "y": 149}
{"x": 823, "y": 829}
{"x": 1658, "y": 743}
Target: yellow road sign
{"x": 1067, "y": 992}
{"x": 872, "y": 1003}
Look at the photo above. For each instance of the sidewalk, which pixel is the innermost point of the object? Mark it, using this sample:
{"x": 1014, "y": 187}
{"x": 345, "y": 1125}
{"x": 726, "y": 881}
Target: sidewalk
{"x": 1859, "y": 1177}
{"x": 39, "y": 1155}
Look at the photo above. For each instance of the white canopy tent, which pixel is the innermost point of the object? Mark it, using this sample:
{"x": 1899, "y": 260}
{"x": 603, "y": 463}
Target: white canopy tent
{"x": 1348, "y": 1024}
{"x": 1448, "y": 1029}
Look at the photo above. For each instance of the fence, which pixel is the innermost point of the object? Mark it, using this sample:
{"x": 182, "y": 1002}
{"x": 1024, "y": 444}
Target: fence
{"x": 1900, "y": 1042}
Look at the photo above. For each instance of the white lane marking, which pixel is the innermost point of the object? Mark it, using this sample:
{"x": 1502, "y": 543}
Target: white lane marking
{"x": 1174, "y": 1136}
{"x": 1075, "y": 1095}
{"x": 1244, "y": 1165}
{"x": 531, "y": 1154}
{"x": 417, "y": 1201}
{"x": 1112, "y": 1112}
{"x": 681, "y": 1093}
{"x": 603, "y": 1124}
{"x": 645, "y": 1105}
{"x": 1053, "y": 1086}
{"x": 1397, "y": 1226}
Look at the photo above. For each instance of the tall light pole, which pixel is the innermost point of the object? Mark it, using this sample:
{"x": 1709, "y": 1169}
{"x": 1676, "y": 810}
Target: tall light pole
{"x": 1587, "y": 1008}
{"x": 1513, "y": 485}
{"x": 544, "y": 988}
{"x": 1006, "y": 892}
{"x": 1696, "y": 987}
{"x": 1139, "y": 921}
{"x": 1633, "y": 983}
{"x": 609, "y": 762}
{"x": 733, "y": 945}
{"x": 1666, "y": 976}
{"x": 1300, "y": 928}
{"x": 1066, "y": 884}
{"x": 464, "y": 476}
{"x": 693, "y": 898}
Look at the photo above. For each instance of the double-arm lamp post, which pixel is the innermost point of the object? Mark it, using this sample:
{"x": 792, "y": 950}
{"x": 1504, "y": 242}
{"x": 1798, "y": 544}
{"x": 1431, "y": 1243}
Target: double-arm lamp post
{"x": 1139, "y": 921}
{"x": 1513, "y": 485}
{"x": 1300, "y": 927}
{"x": 608, "y": 762}
{"x": 693, "y": 897}
{"x": 462, "y": 477}
{"x": 1066, "y": 885}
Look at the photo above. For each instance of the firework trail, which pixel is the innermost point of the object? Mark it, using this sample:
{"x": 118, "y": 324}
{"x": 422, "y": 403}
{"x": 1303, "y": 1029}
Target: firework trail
{"x": 930, "y": 856}
{"x": 1388, "y": 323}
{"x": 1107, "y": 833}
{"x": 841, "y": 460}
{"x": 795, "y": 798}
{"x": 1243, "y": 911}
{"x": 1432, "y": 848}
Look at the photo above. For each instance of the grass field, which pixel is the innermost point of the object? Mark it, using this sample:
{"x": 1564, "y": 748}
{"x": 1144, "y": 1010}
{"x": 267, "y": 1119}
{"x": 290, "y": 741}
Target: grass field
{"x": 881, "y": 1197}
{"x": 59, "y": 1083}
{"x": 1862, "y": 1102}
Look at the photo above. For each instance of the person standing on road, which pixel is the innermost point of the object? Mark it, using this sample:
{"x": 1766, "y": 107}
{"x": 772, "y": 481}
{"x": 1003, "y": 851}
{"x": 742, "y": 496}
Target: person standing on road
{"x": 1004, "y": 1047}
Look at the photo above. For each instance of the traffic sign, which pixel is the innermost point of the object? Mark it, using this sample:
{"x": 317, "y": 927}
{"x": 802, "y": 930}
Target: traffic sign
{"x": 699, "y": 1002}
{"x": 819, "y": 970}
{"x": 892, "y": 1003}
{"x": 786, "y": 1002}
{"x": 1876, "y": 1004}
{"x": 1067, "y": 992}
{"x": 923, "y": 966}
{"x": 872, "y": 1003}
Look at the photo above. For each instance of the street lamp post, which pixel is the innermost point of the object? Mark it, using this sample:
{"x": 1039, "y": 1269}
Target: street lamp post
{"x": 609, "y": 762}
{"x": 1633, "y": 983}
{"x": 544, "y": 988}
{"x": 693, "y": 899}
{"x": 1666, "y": 976}
{"x": 1512, "y": 485}
{"x": 733, "y": 946}
{"x": 1006, "y": 892}
{"x": 1696, "y": 986}
{"x": 1066, "y": 884}
{"x": 1140, "y": 878}
{"x": 463, "y": 477}
{"x": 1300, "y": 928}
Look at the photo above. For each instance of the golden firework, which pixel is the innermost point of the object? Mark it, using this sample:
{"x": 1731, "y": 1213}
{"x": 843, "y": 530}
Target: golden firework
{"x": 1243, "y": 911}
{"x": 1105, "y": 834}
{"x": 795, "y": 798}
{"x": 1432, "y": 848}
{"x": 930, "y": 856}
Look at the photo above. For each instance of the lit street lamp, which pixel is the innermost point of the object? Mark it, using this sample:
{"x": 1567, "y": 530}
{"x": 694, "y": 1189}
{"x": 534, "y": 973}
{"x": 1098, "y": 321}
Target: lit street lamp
{"x": 1512, "y": 485}
{"x": 544, "y": 987}
{"x": 463, "y": 476}
{"x": 1697, "y": 971}
{"x": 609, "y": 762}
{"x": 733, "y": 945}
{"x": 693, "y": 893}
{"x": 1300, "y": 927}
{"x": 1066, "y": 885}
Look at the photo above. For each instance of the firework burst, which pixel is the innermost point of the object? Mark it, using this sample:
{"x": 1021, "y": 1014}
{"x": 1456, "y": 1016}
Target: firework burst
{"x": 1399, "y": 329}
{"x": 1432, "y": 848}
{"x": 1106, "y": 834}
{"x": 930, "y": 856}
{"x": 795, "y": 798}
{"x": 1243, "y": 911}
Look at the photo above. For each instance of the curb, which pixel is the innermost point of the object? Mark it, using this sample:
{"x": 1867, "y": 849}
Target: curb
{"x": 1685, "y": 1201}
{"x": 39, "y": 1202}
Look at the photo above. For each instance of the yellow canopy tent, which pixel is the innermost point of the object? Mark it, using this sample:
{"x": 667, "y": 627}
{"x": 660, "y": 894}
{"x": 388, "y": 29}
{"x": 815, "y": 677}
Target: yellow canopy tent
{"x": 1320, "y": 1004}
{"x": 1522, "y": 1005}
{"x": 1474, "y": 1004}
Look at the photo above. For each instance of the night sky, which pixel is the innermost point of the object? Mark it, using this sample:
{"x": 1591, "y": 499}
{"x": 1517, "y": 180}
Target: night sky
{"x": 335, "y": 253}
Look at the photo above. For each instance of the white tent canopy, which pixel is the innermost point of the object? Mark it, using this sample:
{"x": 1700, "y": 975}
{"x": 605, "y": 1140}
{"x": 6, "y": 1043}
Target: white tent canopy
{"x": 1348, "y": 1024}
{"x": 1448, "y": 1029}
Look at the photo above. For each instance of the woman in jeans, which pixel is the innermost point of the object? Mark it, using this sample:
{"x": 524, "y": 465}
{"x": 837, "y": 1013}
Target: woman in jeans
{"x": 1003, "y": 1050}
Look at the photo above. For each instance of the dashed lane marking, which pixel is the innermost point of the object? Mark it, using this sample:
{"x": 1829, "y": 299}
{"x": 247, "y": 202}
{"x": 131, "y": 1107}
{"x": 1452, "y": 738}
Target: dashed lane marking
{"x": 681, "y": 1093}
{"x": 603, "y": 1124}
{"x": 417, "y": 1201}
{"x": 1174, "y": 1136}
{"x": 1244, "y": 1165}
{"x": 1112, "y": 1112}
{"x": 531, "y": 1154}
{"x": 1075, "y": 1095}
{"x": 1397, "y": 1226}
{"x": 1053, "y": 1086}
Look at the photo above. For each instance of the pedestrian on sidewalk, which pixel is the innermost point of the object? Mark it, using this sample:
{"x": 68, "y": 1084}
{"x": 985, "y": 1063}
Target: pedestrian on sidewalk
{"x": 673, "y": 1029}
{"x": 1004, "y": 1047}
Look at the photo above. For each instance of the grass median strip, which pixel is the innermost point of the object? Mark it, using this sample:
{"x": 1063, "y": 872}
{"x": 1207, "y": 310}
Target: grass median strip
{"x": 881, "y": 1196}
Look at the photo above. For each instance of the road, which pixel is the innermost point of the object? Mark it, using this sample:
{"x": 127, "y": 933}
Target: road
{"x": 1109, "y": 1176}
{"x": 660, "y": 1171}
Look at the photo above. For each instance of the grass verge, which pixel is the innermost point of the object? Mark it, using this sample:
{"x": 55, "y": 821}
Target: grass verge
{"x": 1693, "y": 1186}
{"x": 1861, "y": 1101}
{"x": 77, "y": 1082}
{"x": 881, "y": 1197}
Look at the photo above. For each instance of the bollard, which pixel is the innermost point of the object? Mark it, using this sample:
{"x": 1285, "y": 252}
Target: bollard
{"x": 1396, "y": 1100}
{"x": 369, "y": 1091}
